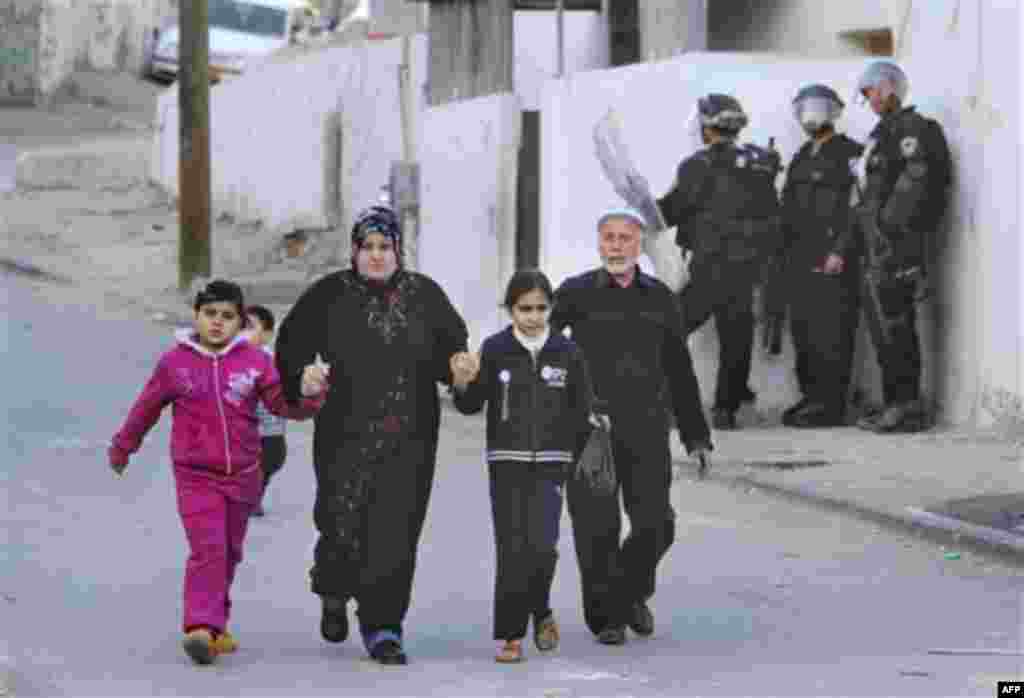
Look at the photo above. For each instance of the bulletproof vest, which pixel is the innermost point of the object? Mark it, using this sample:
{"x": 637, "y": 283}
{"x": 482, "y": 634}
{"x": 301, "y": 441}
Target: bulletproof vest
{"x": 739, "y": 219}
{"x": 819, "y": 187}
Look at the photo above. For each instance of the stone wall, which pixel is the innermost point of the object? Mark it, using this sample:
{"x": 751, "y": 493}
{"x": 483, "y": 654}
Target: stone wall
{"x": 19, "y": 49}
{"x": 43, "y": 42}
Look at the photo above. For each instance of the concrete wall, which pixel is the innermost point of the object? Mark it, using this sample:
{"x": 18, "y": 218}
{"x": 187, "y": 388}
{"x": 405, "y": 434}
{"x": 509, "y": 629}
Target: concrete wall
{"x": 808, "y": 28}
{"x": 467, "y": 241}
{"x": 536, "y": 49}
{"x": 274, "y": 154}
{"x": 671, "y": 27}
{"x": 972, "y": 329}
{"x": 271, "y": 128}
{"x": 64, "y": 36}
{"x": 19, "y": 49}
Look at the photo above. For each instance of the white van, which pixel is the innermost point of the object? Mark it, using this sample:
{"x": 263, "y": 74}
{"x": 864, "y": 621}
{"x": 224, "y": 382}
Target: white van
{"x": 241, "y": 31}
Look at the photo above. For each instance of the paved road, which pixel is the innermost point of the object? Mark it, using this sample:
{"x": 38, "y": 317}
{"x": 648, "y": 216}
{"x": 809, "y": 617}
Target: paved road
{"x": 758, "y": 597}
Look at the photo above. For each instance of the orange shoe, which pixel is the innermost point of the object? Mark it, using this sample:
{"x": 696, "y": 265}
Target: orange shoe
{"x": 225, "y": 643}
{"x": 199, "y": 646}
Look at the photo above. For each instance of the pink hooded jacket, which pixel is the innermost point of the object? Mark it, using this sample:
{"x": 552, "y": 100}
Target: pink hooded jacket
{"x": 214, "y": 398}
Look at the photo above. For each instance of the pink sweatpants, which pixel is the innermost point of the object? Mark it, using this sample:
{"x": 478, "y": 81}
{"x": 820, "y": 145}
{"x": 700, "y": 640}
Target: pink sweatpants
{"x": 215, "y": 518}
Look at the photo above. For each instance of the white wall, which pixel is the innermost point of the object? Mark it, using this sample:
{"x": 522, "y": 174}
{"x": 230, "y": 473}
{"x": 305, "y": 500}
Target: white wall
{"x": 956, "y": 57}
{"x": 269, "y": 157}
{"x": 957, "y": 76}
{"x": 268, "y": 133}
{"x": 467, "y": 240}
{"x": 536, "y": 48}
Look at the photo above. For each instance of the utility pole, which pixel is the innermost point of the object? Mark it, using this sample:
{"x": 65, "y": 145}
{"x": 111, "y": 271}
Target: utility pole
{"x": 405, "y": 175}
{"x": 194, "y": 144}
{"x": 560, "y": 18}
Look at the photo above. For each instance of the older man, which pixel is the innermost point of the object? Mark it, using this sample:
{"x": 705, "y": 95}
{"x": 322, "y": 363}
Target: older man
{"x": 628, "y": 325}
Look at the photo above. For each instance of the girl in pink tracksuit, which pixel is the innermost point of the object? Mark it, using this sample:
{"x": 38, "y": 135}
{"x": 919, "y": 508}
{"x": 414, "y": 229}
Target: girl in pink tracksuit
{"x": 214, "y": 378}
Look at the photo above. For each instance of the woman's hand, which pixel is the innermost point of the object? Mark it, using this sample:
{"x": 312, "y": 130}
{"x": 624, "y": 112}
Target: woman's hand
{"x": 465, "y": 368}
{"x": 315, "y": 377}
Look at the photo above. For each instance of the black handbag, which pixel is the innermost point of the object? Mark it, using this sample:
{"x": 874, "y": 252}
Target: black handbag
{"x": 596, "y": 466}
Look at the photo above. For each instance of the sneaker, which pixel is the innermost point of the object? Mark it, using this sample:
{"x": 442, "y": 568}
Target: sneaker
{"x": 225, "y": 643}
{"x": 870, "y": 418}
{"x": 388, "y": 652}
{"x": 723, "y": 419}
{"x": 614, "y": 635}
{"x": 199, "y": 646}
{"x": 510, "y": 652}
{"x": 641, "y": 621}
{"x": 545, "y": 634}
{"x": 334, "y": 620}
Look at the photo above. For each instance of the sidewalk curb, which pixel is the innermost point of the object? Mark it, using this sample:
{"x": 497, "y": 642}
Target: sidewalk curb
{"x": 936, "y": 528}
{"x": 25, "y": 268}
{"x": 158, "y": 312}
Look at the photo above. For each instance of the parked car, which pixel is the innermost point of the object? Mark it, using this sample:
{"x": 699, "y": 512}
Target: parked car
{"x": 240, "y": 33}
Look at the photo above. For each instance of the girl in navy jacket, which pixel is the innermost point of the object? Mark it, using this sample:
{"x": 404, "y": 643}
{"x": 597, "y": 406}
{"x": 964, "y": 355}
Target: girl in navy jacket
{"x": 539, "y": 399}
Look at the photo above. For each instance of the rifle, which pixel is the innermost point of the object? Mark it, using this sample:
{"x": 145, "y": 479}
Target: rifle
{"x": 878, "y": 251}
{"x": 774, "y": 289}
{"x": 775, "y": 299}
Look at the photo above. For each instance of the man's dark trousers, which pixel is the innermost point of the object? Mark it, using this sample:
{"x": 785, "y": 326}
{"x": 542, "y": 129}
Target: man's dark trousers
{"x": 613, "y": 576}
{"x": 724, "y": 290}
{"x": 900, "y": 357}
{"x": 825, "y": 310}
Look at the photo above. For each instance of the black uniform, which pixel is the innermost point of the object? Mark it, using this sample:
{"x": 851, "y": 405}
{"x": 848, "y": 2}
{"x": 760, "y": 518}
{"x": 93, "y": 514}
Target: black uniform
{"x": 375, "y": 442}
{"x": 906, "y": 194}
{"x": 725, "y": 207}
{"x": 824, "y": 308}
{"x": 640, "y": 366}
{"x": 537, "y": 409}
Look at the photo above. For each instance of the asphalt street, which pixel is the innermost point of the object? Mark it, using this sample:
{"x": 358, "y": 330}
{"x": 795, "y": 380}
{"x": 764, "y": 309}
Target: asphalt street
{"x": 758, "y": 597}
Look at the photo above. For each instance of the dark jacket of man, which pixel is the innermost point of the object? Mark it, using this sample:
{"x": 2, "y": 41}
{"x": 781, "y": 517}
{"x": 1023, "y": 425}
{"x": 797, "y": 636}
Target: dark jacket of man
{"x": 816, "y": 202}
{"x": 641, "y": 367}
{"x": 824, "y": 308}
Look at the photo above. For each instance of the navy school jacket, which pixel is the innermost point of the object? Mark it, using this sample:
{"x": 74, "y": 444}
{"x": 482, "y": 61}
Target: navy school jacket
{"x": 537, "y": 411}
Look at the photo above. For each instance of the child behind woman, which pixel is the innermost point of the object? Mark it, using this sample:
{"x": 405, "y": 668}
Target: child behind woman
{"x": 273, "y": 447}
{"x": 538, "y": 397}
{"x": 214, "y": 378}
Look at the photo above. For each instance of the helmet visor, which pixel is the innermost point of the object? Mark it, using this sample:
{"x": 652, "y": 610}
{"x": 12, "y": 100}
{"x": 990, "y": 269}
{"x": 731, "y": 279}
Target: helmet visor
{"x": 816, "y": 110}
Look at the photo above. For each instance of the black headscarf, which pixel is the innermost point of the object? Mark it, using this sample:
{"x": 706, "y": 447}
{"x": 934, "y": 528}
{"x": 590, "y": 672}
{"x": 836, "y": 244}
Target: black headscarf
{"x": 378, "y": 219}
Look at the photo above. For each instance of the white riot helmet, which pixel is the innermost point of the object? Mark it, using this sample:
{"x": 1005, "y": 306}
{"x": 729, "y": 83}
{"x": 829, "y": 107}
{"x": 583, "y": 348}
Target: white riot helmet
{"x": 887, "y": 77}
{"x": 816, "y": 106}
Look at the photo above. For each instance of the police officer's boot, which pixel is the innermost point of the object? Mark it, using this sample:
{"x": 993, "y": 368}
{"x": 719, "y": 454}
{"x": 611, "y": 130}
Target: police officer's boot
{"x": 817, "y": 415}
{"x": 791, "y": 411}
{"x": 905, "y": 418}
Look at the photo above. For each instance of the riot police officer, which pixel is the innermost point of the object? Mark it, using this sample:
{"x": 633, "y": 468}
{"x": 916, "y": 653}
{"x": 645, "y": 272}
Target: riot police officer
{"x": 725, "y": 207}
{"x": 820, "y": 260}
{"x": 902, "y": 197}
